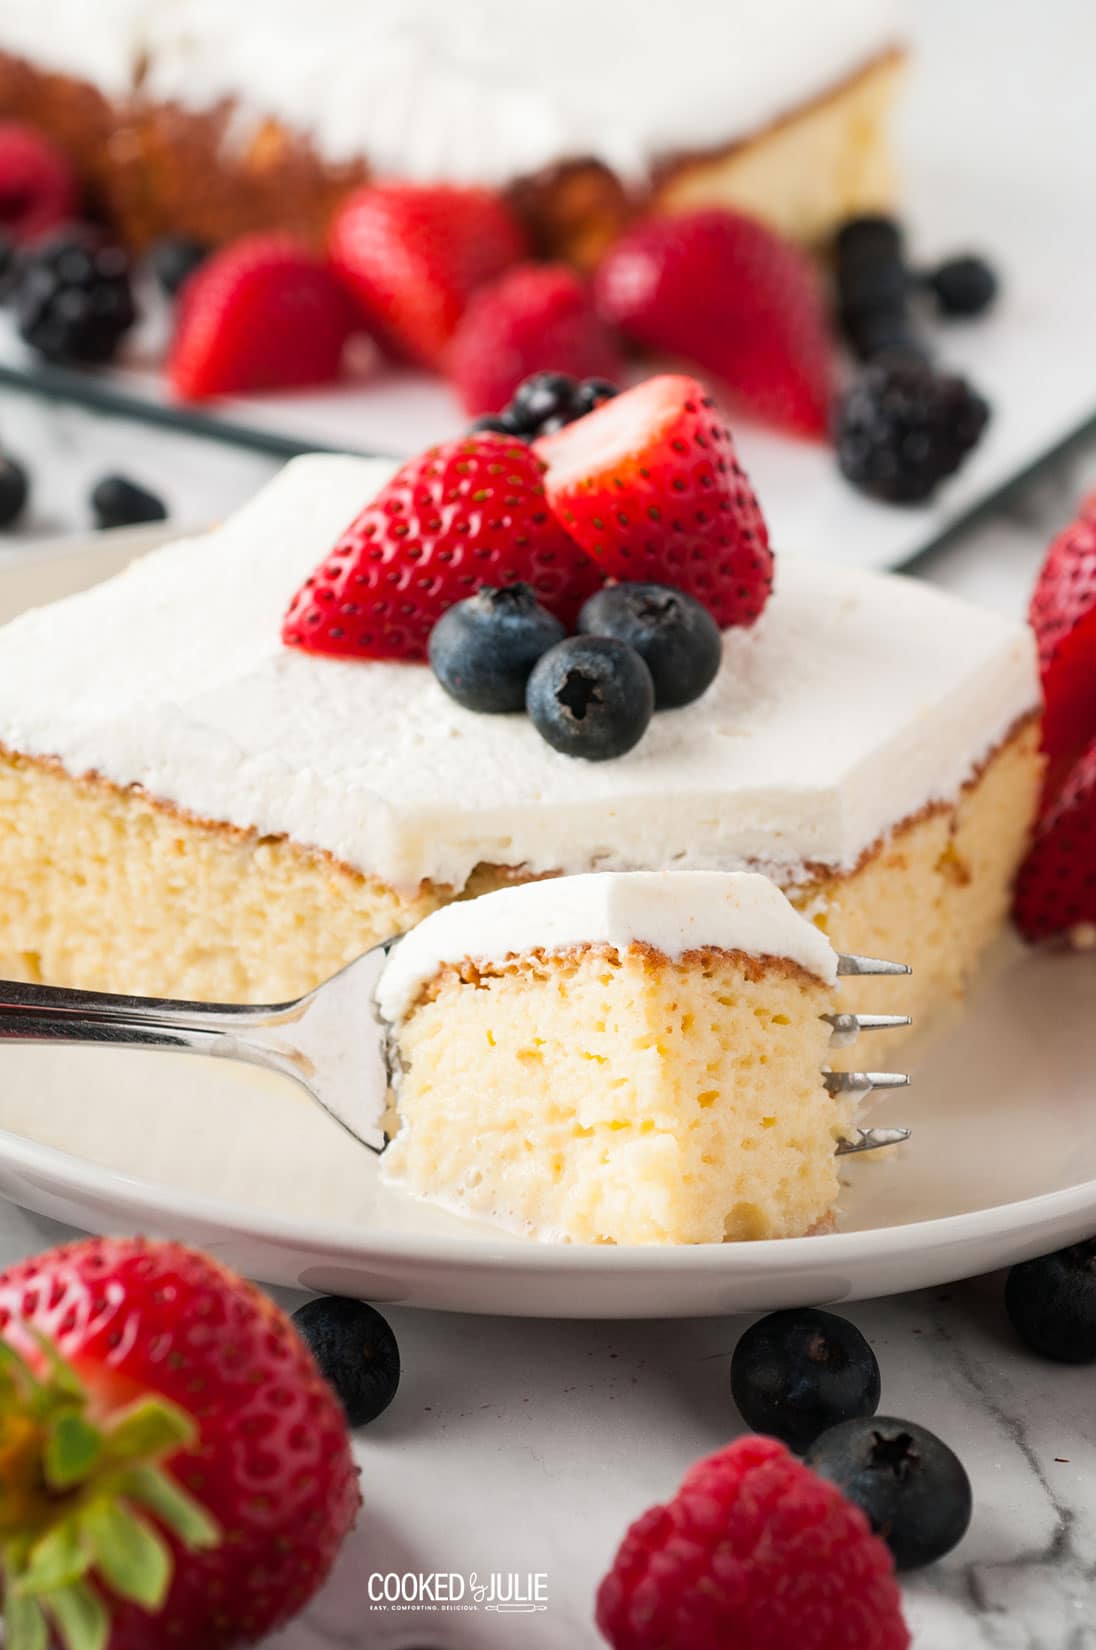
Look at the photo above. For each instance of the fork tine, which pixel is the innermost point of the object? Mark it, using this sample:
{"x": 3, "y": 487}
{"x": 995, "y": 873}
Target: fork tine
{"x": 851, "y": 964}
{"x": 847, "y": 1027}
{"x": 870, "y": 1140}
{"x": 861, "y": 1083}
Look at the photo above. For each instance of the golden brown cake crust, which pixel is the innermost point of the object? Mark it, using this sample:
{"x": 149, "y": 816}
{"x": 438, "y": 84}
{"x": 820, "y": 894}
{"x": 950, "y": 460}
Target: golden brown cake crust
{"x": 157, "y": 169}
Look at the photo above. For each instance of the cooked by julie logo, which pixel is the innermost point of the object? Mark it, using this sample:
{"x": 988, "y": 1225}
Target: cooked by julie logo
{"x": 510, "y": 1592}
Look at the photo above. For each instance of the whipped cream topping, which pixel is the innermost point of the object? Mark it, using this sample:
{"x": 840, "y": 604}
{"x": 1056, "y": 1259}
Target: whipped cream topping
{"x": 671, "y": 911}
{"x": 479, "y": 91}
{"x": 856, "y": 699}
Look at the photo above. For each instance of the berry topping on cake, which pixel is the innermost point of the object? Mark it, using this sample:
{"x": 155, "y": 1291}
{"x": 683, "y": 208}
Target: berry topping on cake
{"x": 795, "y": 1373}
{"x": 909, "y": 1485}
{"x": 356, "y": 1352}
{"x": 650, "y": 486}
{"x": 262, "y": 314}
{"x": 73, "y": 300}
{"x": 468, "y": 513}
{"x": 412, "y": 255}
{"x": 537, "y": 317}
{"x": 963, "y": 286}
{"x": 903, "y": 428}
{"x": 169, "y": 1448}
{"x": 755, "y": 1552}
{"x": 37, "y": 188}
{"x": 119, "y": 502}
{"x": 14, "y": 490}
{"x": 674, "y": 635}
{"x": 1056, "y": 885}
{"x": 1063, "y": 617}
{"x": 1051, "y": 1303}
{"x": 725, "y": 292}
{"x": 484, "y": 648}
{"x": 591, "y": 696}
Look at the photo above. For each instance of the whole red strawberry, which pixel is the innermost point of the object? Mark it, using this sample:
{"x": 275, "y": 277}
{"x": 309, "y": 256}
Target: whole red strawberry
{"x": 724, "y": 292}
{"x": 262, "y": 314}
{"x": 755, "y": 1552}
{"x": 168, "y": 1450}
{"x": 469, "y": 513}
{"x": 37, "y": 186}
{"x": 1056, "y": 885}
{"x": 412, "y": 255}
{"x": 537, "y": 318}
{"x": 1063, "y": 617}
{"x": 650, "y": 486}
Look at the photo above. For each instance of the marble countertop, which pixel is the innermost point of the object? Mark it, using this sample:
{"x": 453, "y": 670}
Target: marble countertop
{"x": 528, "y": 1446}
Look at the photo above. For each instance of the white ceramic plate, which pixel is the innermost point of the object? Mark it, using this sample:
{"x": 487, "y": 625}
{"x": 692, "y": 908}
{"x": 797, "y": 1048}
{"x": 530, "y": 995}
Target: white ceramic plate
{"x": 1002, "y": 1164}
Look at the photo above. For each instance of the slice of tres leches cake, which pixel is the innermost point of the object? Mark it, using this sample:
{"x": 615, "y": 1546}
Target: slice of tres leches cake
{"x": 635, "y": 1057}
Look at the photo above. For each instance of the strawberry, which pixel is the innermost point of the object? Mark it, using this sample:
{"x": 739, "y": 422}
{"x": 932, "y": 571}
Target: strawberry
{"x": 723, "y": 291}
{"x": 650, "y": 486}
{"x": 262, "y": 314}
{"x": 1056, "y": 887}
{"x": 167, "y": 1445}
{"x": 413, "y": 254}
{"x": 37, "y": 186}
{"x": 1063, "y": 617}
{"x": 537, "y": 318}
{"x": 469, "y": 513}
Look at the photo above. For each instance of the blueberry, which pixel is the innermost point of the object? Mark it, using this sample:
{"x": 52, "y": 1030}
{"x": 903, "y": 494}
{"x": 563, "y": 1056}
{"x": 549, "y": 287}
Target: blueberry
{"x": 963, "y": 286}
{"x": 591, "y": 696}
{"x": 483, "y": 649}
{"x": 674, "y": 635}
{"x": 1052, "y": 1303}
{"x": 910, "y": 1486}
{"x": 117, "y": 502}
{"x": 14, "y": 490}
{"x": 356, "y": 1351}
{"x": 793, "y": 1374}
{"x": 545, "y": 395}
{"x": 174, "y": 259}
{"x": 591, "y": 393}
{"x": 495, "y": 424}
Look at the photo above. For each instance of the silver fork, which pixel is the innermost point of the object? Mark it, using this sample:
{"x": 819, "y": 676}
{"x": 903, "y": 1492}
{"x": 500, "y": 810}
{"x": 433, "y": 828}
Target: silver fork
{"x": 332, "y": 1041}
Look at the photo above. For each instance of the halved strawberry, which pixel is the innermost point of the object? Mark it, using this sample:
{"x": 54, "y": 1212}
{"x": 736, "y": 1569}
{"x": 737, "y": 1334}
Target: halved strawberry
{"x": 173, "y": 1467}
{"x": 262, "y": 314}
{"x": 1056, "y": 887}
{"x": 726, "y": 293}
{"x": 1063, "y": 617}
{"x": 471, "y": 512}
{"x": 650, "y": 486}
{"x": 413, "y": 254}
{"x": 535, "y": 318}
{"x": 37, "y": 185}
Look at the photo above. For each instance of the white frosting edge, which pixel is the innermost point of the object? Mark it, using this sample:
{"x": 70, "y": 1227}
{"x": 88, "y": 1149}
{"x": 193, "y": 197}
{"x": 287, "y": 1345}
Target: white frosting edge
{"x": 671, "y": 911}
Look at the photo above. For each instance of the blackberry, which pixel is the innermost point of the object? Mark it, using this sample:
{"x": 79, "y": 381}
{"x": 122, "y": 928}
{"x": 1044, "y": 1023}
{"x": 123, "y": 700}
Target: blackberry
{"x": 965, "y": 285}
{"x": 74, "y": 301}
{"x": 356, "y": 1351}
{"x": 903, "y": 428}
{"x": 873, "y": 289}
{"x": 1051, "y": 1303}
{"x": 483, "y": 649}
{"x": 545, "y": 403}
{"x": 492, "y": 424}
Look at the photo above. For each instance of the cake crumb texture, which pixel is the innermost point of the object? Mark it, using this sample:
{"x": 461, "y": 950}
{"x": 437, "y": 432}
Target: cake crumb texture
{"x": 615, "y": 1096}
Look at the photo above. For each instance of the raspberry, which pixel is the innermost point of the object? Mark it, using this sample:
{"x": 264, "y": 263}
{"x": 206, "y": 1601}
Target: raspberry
{"x": 755, "y": 1552}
